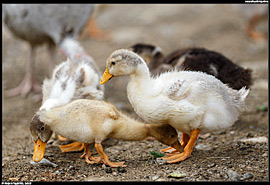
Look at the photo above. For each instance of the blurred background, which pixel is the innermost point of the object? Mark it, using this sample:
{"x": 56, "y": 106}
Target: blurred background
{"x": 221, "y": 27}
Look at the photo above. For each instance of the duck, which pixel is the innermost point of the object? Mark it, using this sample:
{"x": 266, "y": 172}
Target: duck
{"x": 76, "y": 78}
{"x": 192, "y": 102}
{"x": 39, "y": 24}
{"x": 195, "y": 59}
{"x": 92, "y": 121}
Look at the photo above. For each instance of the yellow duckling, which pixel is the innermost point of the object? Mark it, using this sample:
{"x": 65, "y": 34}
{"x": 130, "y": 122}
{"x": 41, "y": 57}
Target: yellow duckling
{"x": 187, "y": 100}
{"x": 89, "y": 121}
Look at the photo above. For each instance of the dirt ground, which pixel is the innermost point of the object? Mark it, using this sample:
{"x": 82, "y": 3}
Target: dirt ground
{"x": 220, "y": 156}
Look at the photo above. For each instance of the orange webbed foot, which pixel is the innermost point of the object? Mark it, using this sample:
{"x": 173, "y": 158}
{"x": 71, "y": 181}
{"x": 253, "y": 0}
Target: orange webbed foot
{"x": 183, "y": 142}
{"x": 72, "y": 147}
{"x": 87, "y": 155}
{"x": 177, "y": 157}
{"x": 168, "y": 150}
{"x": 61, "y": 138}
{"x": 105, "y": 158}
{"x": 92, "y": 160}
{"x": 114, "y": 164}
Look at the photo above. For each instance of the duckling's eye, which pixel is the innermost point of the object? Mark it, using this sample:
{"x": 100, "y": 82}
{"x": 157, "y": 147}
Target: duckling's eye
{"x": 172, "y": 136}
{"x": 42, "y": 128}
{"x": 113, "y": 63}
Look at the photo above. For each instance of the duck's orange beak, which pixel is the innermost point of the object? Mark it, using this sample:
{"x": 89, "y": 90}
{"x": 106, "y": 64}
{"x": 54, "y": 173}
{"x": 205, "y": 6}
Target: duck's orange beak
{"x": 105, "y": 77}
{"x": 39, "y": 150}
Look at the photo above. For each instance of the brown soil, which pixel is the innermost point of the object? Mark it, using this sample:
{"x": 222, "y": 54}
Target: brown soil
{"x": 215, "y": 157}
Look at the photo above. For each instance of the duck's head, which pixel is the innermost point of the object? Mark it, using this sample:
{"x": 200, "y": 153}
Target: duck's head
{"x": 41, "y": 133}
{"x": 121, "y": 62}
{"x": 167, "y": 135}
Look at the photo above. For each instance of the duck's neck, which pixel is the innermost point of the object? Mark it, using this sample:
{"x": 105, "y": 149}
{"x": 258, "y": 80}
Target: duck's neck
{"x": 140, "y": 78}
{"x": 72, "y": 49}
{"x": 130, "y": 129}
{"x": 141, "y": 72}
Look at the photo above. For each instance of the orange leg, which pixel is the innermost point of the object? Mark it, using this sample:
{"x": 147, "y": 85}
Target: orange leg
{"x": 173, "y": 158}
{"x": 61, "y": 138}
{"x": 168, "y": 150}
{"x": 105, "y": 158}
{"x": 87, "y": 155}
{"x": 185, "y": 139}
{"x": 251, "y": 28}
{"x": 183, "y": 142}
{"x": 93, "y": 31}
{"x": 72, "y": 147}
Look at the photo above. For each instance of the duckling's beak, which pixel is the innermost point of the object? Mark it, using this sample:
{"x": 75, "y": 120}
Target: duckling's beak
{"x": 178, "y": 146}
{"x": 105, "y": 77}
{"x": 39, "y": 150}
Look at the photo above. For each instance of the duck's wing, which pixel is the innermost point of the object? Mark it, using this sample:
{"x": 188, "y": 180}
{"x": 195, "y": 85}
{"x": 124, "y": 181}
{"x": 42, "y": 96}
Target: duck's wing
{"x": 178, "y": 89}
{"x": 179, "y": 92}
{"x": 87, "y": 86}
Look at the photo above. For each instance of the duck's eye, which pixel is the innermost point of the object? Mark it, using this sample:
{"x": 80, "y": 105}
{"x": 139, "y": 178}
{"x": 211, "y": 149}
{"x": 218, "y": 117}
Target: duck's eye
{"x": 172, "y": 136}
{"x": 113, "y": 63}
{"x": 42, "y": 128}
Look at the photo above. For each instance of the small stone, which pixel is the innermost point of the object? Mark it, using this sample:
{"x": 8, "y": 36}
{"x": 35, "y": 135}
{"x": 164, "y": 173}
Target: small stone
{"x": 212, "y": 165}
{"x": 155, "y": 177}
{"x": 264, "y": 155}
{"x": 57, "y": 172}
{"x": 204, "y": 136}
{"x": 233, "y": 176}
{"x": 262, "y": 139}
{"x": 160, "y": 161}
{"x": 108, "y": 170}
{"x": 161, "y": 179}
{"x": 249, "y": 135}
{"x": 247, "y": 176}
{"x": 114, "y": 173}
{"x": 203, "y": 147}
{"x": 120, "y": 169}
{"x": 176, "y": 175}
{"x": 70, "y": 167}
{"x": 149, "y": 146}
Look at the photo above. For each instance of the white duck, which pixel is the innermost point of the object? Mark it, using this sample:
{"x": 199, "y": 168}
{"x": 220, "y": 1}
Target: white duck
{"x": 189, "y": 101}
{"x": 89, "y": 121}
{"x": 43, "y": 23}
{"x": 195, "y": 59}
{"x": 76, "y": 78}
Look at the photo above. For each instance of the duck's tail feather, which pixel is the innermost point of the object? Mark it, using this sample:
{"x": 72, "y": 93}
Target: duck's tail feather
{"x": 243, "y": 92}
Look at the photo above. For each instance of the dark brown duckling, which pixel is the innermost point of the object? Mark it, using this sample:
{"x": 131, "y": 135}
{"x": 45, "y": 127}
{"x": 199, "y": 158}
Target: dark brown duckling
{"x": 195, "y": 59}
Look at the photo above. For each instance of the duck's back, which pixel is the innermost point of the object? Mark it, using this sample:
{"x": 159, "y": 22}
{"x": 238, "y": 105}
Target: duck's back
{"x": 82, "y": 108}
{"x": 81, "y": 120}
{"x": 199, "y": 94}
{"x": 201, "y": 86}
